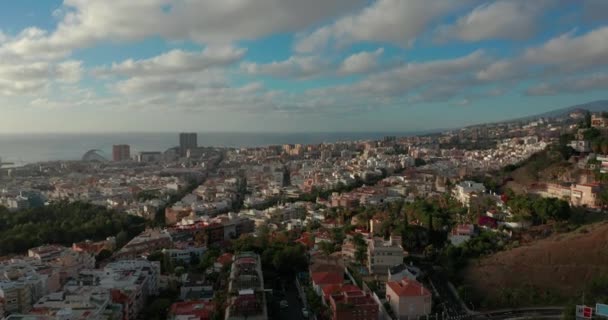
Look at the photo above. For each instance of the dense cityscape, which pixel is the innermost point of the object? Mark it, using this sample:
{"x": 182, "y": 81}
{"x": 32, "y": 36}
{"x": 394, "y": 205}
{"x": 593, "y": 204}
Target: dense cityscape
{"x": 303, "y": 160}
{"x": 348, "y": 230}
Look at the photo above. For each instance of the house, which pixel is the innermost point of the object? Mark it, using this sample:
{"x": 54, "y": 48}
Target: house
{"x": 191, "y": 310}
{"x": 383, "y": 255}
{"x": 353, "y": 305}
{"x": 403, "y": 271}
{"x": 461, "y": 234}
{"x": 585, "y": 195}
{"x": 465, "y": 190}
{"x": 580, "y": 145}
{"x": 336, "y": 288}
{"x": 324, "y": 271}
{"x": 323, "y": 279}
{"x": 408, "y": 299}
{"x": 196, "y": 287}
{"x": 223, "y": 261}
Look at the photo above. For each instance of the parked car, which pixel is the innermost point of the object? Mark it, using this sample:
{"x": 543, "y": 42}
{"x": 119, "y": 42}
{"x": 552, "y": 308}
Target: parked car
{"x": 283, "y": 304}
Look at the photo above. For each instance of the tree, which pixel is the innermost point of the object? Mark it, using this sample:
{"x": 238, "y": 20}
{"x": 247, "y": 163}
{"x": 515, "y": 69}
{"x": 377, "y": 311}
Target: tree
{"x": 604, "y": 146}
{"x": 103, "y": 254}
{"x": 121, "y": 239}
{"x": 327, "y": 247}
{"x": 587, "y": 120}
{"x": 361, "y": 255}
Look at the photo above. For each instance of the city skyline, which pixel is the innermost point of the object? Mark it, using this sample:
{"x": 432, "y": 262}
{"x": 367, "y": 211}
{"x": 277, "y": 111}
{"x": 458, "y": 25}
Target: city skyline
{"x": 293, "y": 66}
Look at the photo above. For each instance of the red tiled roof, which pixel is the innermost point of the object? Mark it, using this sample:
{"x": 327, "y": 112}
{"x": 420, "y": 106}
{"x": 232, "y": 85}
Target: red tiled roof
{"x": 200, "y": 309}
{"x": 408, "y": 288}
{"x": 324, "y": 278}
{"x": 333, "y": 288}
{"x": 225, "y": 259}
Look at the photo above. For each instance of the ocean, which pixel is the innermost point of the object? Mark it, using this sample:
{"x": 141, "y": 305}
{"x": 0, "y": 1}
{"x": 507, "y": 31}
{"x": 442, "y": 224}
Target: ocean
{"x": 29, "y": 148}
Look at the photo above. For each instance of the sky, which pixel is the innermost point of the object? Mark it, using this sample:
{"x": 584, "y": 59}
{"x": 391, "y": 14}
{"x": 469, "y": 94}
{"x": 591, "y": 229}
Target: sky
{"x": 294, "y": 65}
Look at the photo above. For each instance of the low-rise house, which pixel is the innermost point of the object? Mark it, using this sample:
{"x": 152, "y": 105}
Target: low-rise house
{"x": 461, "y": 234}
{"x": 348, "y": 305}
{"x": 191, "y": 310}
{"x": 383, "y": 254}
{"x": 403, "y": 271}
{"x": 465, "y": 190}
{"x": 408, "y": 299}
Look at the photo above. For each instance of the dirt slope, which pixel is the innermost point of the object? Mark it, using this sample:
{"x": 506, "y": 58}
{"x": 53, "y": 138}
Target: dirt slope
{"x": 561, "y": 264}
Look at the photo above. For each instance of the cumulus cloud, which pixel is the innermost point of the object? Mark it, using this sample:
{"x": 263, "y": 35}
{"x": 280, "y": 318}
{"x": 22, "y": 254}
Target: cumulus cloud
{"x": 393, "y": 21}
{"x": 399, "y": 81}
{"x": 85, "y": 22}
{"x": 505, "y": 19}
{"x": 571, "y": 52}
{"x": 361, "y": 62}
{"x": 175, "y": 62}
{"x": 31, "y": 77}
{"x": 299, "y": 67}
{"x": 596, "y": 81}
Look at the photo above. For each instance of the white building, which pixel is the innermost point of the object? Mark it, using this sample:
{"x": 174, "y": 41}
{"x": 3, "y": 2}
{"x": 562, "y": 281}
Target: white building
{"x": 465, "y": 190}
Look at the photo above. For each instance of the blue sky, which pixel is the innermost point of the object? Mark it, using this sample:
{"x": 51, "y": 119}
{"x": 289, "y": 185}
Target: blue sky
{"x": 294, "y": 66}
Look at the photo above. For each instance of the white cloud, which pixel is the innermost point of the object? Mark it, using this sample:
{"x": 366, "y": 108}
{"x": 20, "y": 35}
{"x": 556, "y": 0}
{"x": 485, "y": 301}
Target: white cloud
{"x": 175, "y": 62}
{"x": 402, "y": 80}
{"x": 596, "y": 81}
{"x": 505, "y": 19}
{"x": 563, "y": 55}
{"x": 69, "y": 71}
{"x": 361, "y": 62}
{"x": 31, "y": 77}
{"x": 393, "y": 21}
{"x": 85, "y": 22}
{"x": 299, "y": 67}
{"x": 570, "y": 52}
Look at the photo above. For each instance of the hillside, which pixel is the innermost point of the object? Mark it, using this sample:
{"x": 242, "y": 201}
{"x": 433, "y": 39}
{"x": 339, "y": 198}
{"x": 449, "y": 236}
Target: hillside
{"x": 594, "y": 106}
{"x": 562, "y": 265}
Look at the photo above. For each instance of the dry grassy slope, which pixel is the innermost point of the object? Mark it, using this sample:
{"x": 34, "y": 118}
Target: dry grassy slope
{"x": 557, "y": 172}
{"x": 562, "y": 263}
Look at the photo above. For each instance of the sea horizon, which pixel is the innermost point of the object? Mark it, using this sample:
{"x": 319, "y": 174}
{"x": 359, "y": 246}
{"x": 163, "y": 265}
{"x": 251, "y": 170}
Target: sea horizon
{"x": 25, "y": 148}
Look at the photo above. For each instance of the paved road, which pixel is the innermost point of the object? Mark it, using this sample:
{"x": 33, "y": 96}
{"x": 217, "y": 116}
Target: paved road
{"x": 547, "y": 313}
{"x": 294, "y": 310}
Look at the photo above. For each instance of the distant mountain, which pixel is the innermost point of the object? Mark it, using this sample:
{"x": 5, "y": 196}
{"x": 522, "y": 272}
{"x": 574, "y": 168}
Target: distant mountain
{"x": 595, "y": 106}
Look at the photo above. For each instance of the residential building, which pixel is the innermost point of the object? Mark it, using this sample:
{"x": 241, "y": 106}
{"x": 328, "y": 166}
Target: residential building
{"x": 599, "y": 121}
{"x": 130, "y": 283}
{"x": 383, "y": 254}
{"x": 150, "y": 157}
{"x": 353, "y": 305}
{"x": 76, "y": 303}
{"x": 66, "y": 261}
{"x": 246, "y": 289}
{"x": 20, "y": 286}
{"x": 403, "y": 271}
{"x": 585, "y": 195}
{"x": 465, "y": 190}
{"x": 191, "y": 310}
{"x": 121, "y": 152}
{"x": 196, "y": 287}
{"x": 408, "y": 299}
{"x": 187, "y": 141}
{"x": 461, "y": 234}
{"x": 184, "y": 252}
{"x": 581, "y": 145}
{"x": 148, "y": 241}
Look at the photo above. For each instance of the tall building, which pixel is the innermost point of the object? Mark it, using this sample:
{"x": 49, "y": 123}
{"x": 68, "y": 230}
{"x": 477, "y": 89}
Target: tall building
{"x": 187, "y": 140}
{"x": 121, "y": 152}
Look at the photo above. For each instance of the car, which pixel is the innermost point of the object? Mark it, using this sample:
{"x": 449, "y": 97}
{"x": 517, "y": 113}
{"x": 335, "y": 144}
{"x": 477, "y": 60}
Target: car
{"x": 305, "y": 312}
{"x": 283, "y": 304}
